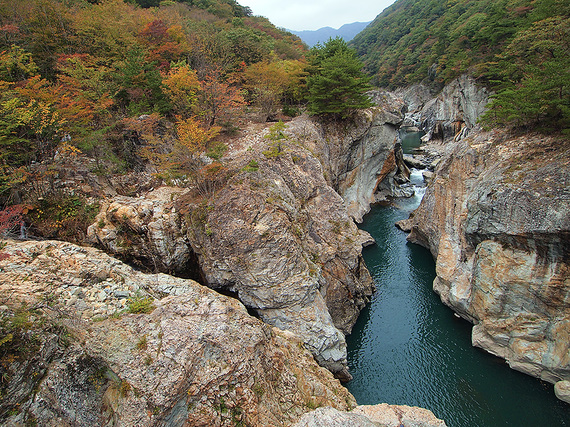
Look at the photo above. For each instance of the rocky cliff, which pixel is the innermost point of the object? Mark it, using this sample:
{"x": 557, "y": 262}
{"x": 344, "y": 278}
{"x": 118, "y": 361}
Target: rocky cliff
{"x": 497, "y": 219}
{"x": 275, "y": 235}
{"x": 450, "y": 114}
{"x": 361, "y": 158}
{"x": 87, "y": 340}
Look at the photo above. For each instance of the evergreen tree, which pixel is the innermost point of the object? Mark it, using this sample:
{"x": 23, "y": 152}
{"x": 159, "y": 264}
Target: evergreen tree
{"x": 336, "y": 83}
{"x": 533, "y": 79}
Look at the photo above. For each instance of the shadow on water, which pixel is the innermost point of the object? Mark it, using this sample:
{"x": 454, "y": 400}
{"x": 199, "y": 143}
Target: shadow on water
{"x": 408, "y": 348}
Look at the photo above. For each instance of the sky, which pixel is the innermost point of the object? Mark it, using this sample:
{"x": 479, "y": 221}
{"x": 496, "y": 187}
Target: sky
{"x": 314, "y": 14}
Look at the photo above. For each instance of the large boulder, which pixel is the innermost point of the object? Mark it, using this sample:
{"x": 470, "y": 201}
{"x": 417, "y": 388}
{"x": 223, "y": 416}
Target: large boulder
{"x": 382, "y": 415}
{"x": 562, "y": 390}
{"x": 178, "y": 353}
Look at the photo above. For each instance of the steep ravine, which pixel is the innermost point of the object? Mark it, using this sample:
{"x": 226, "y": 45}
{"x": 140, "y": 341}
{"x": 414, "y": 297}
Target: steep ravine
{"x": 496, "y": 218}
{"x": 276, "y": 234}
{"x": 153, "y": 349}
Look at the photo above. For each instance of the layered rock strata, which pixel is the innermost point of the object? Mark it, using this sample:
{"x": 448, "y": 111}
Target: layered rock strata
{"x": 177, "y": 354}
{"x": 450, "y": 114}
{"x": 497, "y": 220}
{"x": 276, "y": 236}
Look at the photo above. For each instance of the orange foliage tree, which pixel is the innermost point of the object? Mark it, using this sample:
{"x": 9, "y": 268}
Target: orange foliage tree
{"x": 84, "y": 93}
{"x": 162, "y": 47}
{"x": 193, "y": 138}
{"x": 218, "y": 100}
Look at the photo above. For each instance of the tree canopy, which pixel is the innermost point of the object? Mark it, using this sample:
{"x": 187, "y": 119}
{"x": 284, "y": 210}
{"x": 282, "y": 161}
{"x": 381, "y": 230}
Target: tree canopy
{"x": 532, "y": 79}
{"x": 336, "y": 83}
{"x": 517, "y": 48}
{"x": 110, "y": 77}
{"x": 416, "y": 39}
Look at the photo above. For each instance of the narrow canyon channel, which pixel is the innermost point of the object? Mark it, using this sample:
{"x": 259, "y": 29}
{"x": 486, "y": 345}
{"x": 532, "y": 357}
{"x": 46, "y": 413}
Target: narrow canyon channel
{"x": 408, "y": 348}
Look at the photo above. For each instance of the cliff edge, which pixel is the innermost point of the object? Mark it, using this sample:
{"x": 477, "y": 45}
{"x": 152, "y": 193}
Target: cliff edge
{"x": 496, "y": 218}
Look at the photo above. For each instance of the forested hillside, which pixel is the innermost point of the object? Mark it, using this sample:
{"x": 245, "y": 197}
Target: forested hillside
{"x": 77, "y": 76}
{"x": 413, "y": 38}
{"x": 143, "y": 86}
{"x": 519, "y": 48}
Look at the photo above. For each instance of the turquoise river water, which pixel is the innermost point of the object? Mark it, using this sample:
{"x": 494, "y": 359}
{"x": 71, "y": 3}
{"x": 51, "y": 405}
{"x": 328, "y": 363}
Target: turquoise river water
{"x": 407, "y": 348}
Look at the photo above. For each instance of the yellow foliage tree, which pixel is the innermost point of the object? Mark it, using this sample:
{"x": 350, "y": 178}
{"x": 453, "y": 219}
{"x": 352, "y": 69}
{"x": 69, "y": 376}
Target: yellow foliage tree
{"x": 193, "y": 137}
{"x": 181, "y": 86}
{"x": 271, "y": 81}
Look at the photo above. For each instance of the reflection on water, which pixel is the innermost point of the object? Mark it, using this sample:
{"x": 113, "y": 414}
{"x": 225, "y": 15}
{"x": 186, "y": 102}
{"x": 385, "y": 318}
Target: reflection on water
{"x": 408, "y": 348}
{"x": 410, "y": 141}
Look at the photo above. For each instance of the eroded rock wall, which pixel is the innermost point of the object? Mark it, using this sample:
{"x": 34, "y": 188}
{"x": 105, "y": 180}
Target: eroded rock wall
{"x": 358, "y": 156}
{"x": 276, "y": 236}
{"x": 194, "y": 357}
{"x": 450, "y": 114}
{"x": 497, "y": 219}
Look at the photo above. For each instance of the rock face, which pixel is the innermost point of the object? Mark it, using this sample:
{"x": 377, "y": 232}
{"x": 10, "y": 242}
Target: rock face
{"x": 382, "y": 415}
{"x": 497, "y": 219}
{"x": 193, "y": 357}
{"x": 147, "y": 230}
{"x": 360, "y": 159}
{"x": 280, "y": 238}
{"x": 451, "y": 114}
{"x": 276, "y": 236}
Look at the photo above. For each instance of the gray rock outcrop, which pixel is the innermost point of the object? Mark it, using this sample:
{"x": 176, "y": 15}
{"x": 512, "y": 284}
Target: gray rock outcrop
{"x": 382, "y": 415}
{"x": 276, "y": 236}
{"x": 360, "y": 158}
{"x": 497, "y": 219}
{"x": 185, "y": 355}
{"x": 450, "y": 114}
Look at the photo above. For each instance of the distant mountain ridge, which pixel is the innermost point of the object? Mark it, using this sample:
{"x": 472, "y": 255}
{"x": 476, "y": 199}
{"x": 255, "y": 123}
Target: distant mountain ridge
{"x": 347, "y": 32}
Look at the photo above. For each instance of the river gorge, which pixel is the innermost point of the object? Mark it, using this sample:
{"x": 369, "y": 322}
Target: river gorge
{"x": 408, "y": 348}
{"x": 286, "y": 281}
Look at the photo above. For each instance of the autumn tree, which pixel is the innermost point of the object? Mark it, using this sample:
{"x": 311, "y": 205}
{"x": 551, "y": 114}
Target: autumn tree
{"x": 30, "y": 122}
{"x": 30, "y": 128}
{"x": 41, "y": 27}
{"x": 181, "y": 85}
{"x": 140, "y": 84}
{"x": 17, "y": 64}
{"x": 109, "y": 29}
{"x": 270, "y": 82}
{"x": 193, "y": 138}
{"x": 161, "y": 46}
{"x": 86, "y": 89}
{"x": 218, "y": 100}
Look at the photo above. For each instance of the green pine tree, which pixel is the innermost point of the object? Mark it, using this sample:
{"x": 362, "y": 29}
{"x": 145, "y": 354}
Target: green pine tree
{"x": 336, "y": 83}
